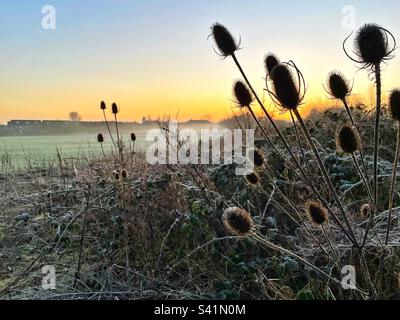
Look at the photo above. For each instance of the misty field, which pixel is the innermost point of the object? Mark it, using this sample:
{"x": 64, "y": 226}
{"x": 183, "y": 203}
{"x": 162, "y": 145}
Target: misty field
{"x": 20, "y": 152}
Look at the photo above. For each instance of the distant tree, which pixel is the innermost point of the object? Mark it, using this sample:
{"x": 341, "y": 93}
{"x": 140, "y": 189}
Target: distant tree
{"x": 74, "y": 116}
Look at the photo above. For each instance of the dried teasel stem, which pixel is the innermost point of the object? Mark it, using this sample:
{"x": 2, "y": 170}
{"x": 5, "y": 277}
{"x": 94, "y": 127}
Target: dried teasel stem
{"x": 348, "y": 140}
{"x": 299, "y": 142}
{"x": 303, "y": 175}
{"x": 376, "y": 130}
{"x": 103, "y": 108}
{"x": 326, "y": 176}
{"x": 346, "y": 106}
{"x": 365, "y": 182}
{"x": 115, "y": 111}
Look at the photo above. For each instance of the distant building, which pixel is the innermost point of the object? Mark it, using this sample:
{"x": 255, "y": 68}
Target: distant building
{"x": 23, "y": 122}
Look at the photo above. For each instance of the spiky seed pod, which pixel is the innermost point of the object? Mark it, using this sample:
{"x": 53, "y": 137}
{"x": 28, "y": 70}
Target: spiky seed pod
{"x": 133, "y": 137}
{"x": 338, "y": 86}
{"x": 100, "y": 138}
{"x": 258, "y": 157}
{"x": 116, "y": 174}
{"x": 252, "y": 178}
{"x": 366, "y": 210}
{"x": 242, "y": 94}
{"x": 103, "y": 105}
{"x": 270, "y": 62}
{"x": 348, "y": 139}
{"x": 224, "y": 40}
{"x": 237, "y": 221}
{"x": 371, "y": 44}
{"x": 316, "y": 212}
{"x": 394, "y": 104}
{"x": 124, "y": 174}
{"x": 285, "y": 87}
{"x": 114, "y": 108}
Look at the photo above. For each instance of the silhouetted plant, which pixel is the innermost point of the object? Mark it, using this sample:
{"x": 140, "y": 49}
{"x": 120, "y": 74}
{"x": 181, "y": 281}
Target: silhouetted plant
{"x": 286, "y": 87}
{"x": 372, "y": 48}
{"x": 100, "y": 139}
{"x": 103, "y": 107}
{"x": 133, "y": 140}
{"x": 339, "y": 88}
{"x": 270, "y": 61}
{"x": 348, "y": 140}
{"x": 227, "y": 47}
{"x": 289, "y": 96}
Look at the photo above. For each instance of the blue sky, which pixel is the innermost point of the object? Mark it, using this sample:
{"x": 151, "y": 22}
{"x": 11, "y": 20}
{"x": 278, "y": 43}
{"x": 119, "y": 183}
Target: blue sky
{"x": 153, "y": 57}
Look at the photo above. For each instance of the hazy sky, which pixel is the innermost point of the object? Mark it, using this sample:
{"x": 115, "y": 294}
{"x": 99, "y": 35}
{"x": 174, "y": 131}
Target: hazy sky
{"x": 153, "y": 56}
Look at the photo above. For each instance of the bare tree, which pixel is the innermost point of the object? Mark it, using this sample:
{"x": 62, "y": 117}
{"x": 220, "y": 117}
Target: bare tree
{"x": 74, "y": 116}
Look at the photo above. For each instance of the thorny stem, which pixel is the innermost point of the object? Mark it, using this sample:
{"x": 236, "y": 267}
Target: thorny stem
{"x": 354, "y": 125}
{"x": 329, "y": 243}
{"x": 102, "y": 150}
{"x": 299, "y": 142}
{"x": 108, "y": 128}
{"x": 78, "y": 270}
{"x": 325, "y": 175}
{"x": 391, "y": 192}
{"x": 376, "y": 132}
{"x": 366, "y": 185}
{"x": 303, "y": 175}
{"x": 118, "y": 138}
{"x": 265, "y": 134}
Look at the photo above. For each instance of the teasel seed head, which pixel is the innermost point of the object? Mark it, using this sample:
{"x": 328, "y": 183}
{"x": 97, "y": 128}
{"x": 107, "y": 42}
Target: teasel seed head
{"x": 338, "y": 86}
{"x": 124, "y": 174}
{"x": 270, "y": 62}
{"x": 238, "y": 222}
{"x": 366, "y": 210}
{"x": 258, "y": 157}
{"x": 394, "y": 104}
{"x": 224, "y": 40}
{"x": 242, "y": 94}
{"x": 348, "y": 139}
{"x": 133, "y": 137}
{"x": 100, "y": 138}
{"x": 286, "y": 91}
{"x": 372, "y": 45}
{"x": 103, "y": 105}
{"x": 252, "y": 178}
{"x": 114, "y": 108}
{"x": 316, "y": 212}
{"x": 116, "y": 174}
